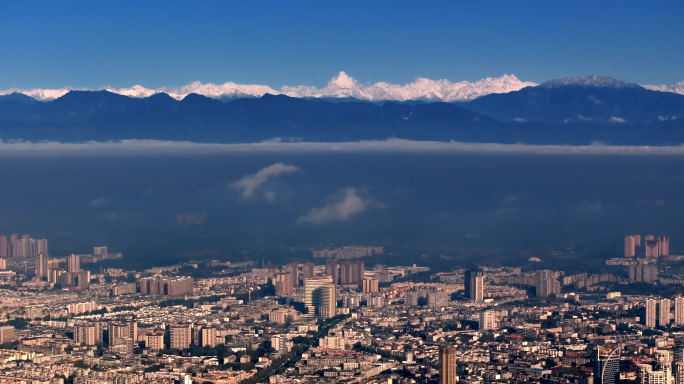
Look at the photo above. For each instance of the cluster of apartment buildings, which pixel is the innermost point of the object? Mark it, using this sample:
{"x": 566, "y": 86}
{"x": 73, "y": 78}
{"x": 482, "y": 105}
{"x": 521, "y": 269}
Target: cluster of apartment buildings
{"x": 653, "y": 247}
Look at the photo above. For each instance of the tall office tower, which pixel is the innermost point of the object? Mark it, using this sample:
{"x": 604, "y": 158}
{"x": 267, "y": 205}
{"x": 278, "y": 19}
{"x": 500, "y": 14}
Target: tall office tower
{"x": 447, "y": 365}
{"x": 679, "y": 372}
{"x": 652, "y": 248}
{"x": 42, "y": 265}
{"x": 3, "y": 246}
{"x": 664, "y": 312}
{"x": 325, "y": 300}
{"x": 309, "y": 270}
{"x": 664, "y": 245}
{"x": 208, "y": 337}
{"x": 332, "y": 269}
{"x": 3, "y": 263}
{"x": 546, "y": 283}
{"x": 607, "y": 366}
{"x": 85, "y": 334}
{"x": 73, "y": 263}
{"x": 474, "y": 284}
{"x": 650, "y": 319}
{"x": 180, "y": 336}
{"x": 488, "y": 321}
{"x": 283, "y": 283}
{"x": 100, "y": 251}
{"x": 293, "y": 268}
{"x": 678, "y": 350}
{"x": 679, "y": 311}
{"x": 310, "y": 285}
{"x": 370, "y": 285}
{"x": 631, "y": 244}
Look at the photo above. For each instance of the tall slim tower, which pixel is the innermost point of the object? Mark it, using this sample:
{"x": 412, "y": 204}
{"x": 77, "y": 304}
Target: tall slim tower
{"x": 664, "y": 245}
{"x": 42, "y": 265}
{"x": 631, "y": 244}
{"x": 664, "y": 312}
{"x": 3, "y": 246}
{"x": 679, "y": 311}
{"x": 474, "y": 284}
{"x": 650, "y": 320}
{"x": 326, "y": 300}
{"x": 447, "y": 365}
{"x": 73, "y": 263}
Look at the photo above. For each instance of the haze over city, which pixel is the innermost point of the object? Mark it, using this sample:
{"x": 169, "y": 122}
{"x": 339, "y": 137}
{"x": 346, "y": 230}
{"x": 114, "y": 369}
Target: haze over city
{"x": 341, "y": 192}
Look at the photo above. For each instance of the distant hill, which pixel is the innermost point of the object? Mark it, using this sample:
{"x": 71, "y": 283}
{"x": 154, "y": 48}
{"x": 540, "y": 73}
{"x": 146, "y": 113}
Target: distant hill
{"x": 593, "y": 99}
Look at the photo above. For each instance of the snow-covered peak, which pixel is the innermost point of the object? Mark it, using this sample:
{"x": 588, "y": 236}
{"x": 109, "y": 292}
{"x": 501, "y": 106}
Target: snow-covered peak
{"x": 674, "y": 88}
{"x": 587, "y": 81}
{"x": 342, "y": 80}
{"x": 341, "y": 86}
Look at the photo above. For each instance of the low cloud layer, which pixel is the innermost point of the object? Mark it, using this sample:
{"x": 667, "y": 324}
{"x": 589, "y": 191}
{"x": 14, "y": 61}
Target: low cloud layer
{"x": 249, "y": 183}
{"x": 180, "y": 148}
{"x": 350, "y": 204}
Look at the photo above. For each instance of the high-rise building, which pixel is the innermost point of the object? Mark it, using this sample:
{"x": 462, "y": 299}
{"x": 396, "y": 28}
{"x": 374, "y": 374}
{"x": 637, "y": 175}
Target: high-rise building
{"x": 607, "y": 366}
{"x": 169, "y": 286}
{"x": 664, "y": 313}
{"x": 293, "y": 268}
{"x": 546, "y": 283}
{"x": 679, "y": 311}
{"x": 438, "y": 299}
{"x": 326, "y": 301}
{"x": 155, "y": 341}
{"x": 85, "y": 334}
{"x": 631, "y": 242}
{"x": 370, "y": 285}
{"x": 100, "y": 251}
{"x": 73, "y": 263}
{"x": 122, "y": 330}
{"x": 646, "y": 273}
{"x": 283, "y": 283}
{"x": 311, "y": 285}
{"x": 652, "y": 248}
{"x": 679, "y": 372}
{"x": 42, "y": 265}
{"x": 208, "y": 337}
{"x": 649, "y": 238}
{"x": 488, "y": 321}
{"x": 474, "y": 284}
{"x": 650, "y": 319}
{"x": 447, "y": 365}
{"x": 664, "y": 245}
{"x": 180, "y": 336}
{"x": 3, "y": 246}
{"x": 678, "y": 350}
{"x": 332, "y": 269}
{"x": 309, "y": 270}
{"x": 412, "y": 298}
{"x": 3, "y": 263}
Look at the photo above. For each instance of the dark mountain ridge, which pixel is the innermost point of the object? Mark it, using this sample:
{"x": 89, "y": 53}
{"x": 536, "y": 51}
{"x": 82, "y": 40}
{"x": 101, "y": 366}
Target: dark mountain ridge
{"x": 604, "y": 109}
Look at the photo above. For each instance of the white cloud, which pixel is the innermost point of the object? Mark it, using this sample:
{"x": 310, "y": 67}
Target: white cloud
{"x": 519, "y": 119}
{"x": 341, "y": 210}
{"x": 100, "y": 201}
{"x": 585, "y": 118}
{"x": 251, "y": 182}
{"x": 182, "y": 148}
{"x": 617, "y": 119}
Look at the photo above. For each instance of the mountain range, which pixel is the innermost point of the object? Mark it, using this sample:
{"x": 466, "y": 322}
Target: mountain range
{"x": 573, "y": 110}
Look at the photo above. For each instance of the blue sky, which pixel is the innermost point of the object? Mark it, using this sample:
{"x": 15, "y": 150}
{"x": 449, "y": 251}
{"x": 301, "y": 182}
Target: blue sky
{"x": 167, "y": 43}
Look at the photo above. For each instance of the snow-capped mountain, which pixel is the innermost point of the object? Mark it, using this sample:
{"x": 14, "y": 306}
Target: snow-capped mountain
{"x": 675, "y": 88}
{"x": 341, "y": 85}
